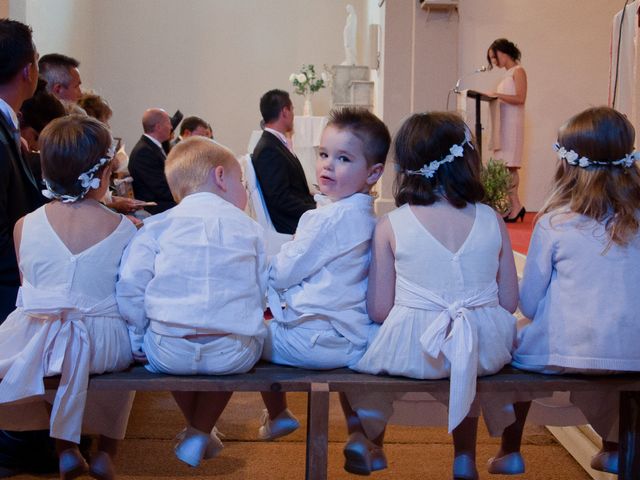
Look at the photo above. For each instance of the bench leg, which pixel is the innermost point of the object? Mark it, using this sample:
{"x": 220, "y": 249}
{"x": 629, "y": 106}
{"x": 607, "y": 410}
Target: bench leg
{"x": 317, "y": 432}
{"x": 629, "y": 436}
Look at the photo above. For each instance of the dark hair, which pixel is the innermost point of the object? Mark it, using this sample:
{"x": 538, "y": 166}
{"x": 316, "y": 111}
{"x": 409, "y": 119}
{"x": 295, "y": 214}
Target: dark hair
{"x": 191, "y": 123}
{"x": 272, "y": 103}
{"x": 37, "y": 111}
{"x": 371, "y": 131}
{"x": 505, "y": 46}
{"x": 55, "y": 68}
{"x": 16, "y": 48}
{"x": 424, "y": 138}
{"x": 95, "y": 106}
{"x": 69, "y": 146}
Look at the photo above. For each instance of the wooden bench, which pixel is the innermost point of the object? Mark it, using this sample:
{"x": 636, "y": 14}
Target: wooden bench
{"x": 318, "y": 385}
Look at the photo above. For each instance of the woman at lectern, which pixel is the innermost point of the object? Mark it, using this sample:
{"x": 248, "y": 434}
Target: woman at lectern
{"x": 511, "y": 93}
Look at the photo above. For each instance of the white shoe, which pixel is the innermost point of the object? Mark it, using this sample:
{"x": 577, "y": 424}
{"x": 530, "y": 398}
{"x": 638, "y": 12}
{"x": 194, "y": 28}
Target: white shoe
{"x": 193, "y": 447}
{"x": 510, "y": 464}
{"x": 362, "y": 456}
{"x": 213, "y": 448}
{"x": 282, "y": 425}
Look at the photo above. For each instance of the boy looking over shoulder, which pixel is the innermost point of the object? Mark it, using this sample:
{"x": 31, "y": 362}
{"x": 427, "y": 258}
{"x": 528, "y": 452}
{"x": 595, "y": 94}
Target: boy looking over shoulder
{"x": 321, "y": 275}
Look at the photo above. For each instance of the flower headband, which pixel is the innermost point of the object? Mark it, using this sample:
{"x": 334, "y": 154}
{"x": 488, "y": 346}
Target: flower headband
{"x": 574, "y": 159}
{"x": 429, "y": 170}
{"x": 87, "y": 180}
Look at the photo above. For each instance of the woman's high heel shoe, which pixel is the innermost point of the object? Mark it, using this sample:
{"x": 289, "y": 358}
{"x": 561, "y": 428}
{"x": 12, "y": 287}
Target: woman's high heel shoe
{"x": 519, "y": 216}
{"x": 72, "y": 464}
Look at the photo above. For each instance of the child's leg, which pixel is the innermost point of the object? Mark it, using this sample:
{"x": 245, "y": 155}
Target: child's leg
{"x": 202, "y": 409}
{"x": 512, "y": 435}
{"x": 353, "y": 421}
{"x": 464, "y": 449}
{"x": 276, "y": 403}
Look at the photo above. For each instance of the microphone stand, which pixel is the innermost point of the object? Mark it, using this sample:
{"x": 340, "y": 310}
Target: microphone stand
{"x": 456, "y": 89}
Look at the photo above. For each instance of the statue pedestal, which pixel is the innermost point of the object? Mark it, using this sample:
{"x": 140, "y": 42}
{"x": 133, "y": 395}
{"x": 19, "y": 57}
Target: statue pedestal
{"x": 351, "y": 86}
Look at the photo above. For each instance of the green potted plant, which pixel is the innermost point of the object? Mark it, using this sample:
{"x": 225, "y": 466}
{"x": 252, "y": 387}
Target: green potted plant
{"x": 497, "y": 182}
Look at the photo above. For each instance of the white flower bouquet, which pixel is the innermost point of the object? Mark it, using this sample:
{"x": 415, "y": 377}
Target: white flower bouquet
{"x": 306, "y": 82}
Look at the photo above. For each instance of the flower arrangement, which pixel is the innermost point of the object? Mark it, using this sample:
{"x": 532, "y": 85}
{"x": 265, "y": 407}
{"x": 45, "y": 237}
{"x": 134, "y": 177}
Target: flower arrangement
{"x": 496, "y": 181}
{"x": 306, "y": 81}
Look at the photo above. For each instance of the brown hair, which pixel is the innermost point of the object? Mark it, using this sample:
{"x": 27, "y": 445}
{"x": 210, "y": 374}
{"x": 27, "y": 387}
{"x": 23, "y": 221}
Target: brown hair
{"x": 371, "y": 131}
{"x": 69, "y": 146}
{"x": 95, "y": 106}
{"x": 423, "y": 138}
{"x": 191, "y": 162}
{"x": 608, "y": 194}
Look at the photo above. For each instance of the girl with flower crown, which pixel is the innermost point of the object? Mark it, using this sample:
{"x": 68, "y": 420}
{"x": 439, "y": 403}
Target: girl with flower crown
{"x": 580, "y": 282}
{"x": 67, "y": 322}
{"x": 443, "y": 285}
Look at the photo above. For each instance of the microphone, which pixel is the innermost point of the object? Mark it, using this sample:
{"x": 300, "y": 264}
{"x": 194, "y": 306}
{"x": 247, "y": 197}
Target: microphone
{"x": 456, "y": 89}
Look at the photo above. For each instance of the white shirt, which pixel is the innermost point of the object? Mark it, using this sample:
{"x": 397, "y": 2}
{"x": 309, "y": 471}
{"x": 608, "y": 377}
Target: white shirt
{"x": 198, "y": 268}
{"x": 156, "y": 142}
{"x": 321, "y": 274}
{"x": 8, "y": 113}
{"x": 280, "y": 136}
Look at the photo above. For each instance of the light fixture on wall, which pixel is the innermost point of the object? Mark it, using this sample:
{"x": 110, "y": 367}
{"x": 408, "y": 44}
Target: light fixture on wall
{"x": 428, "y": 5}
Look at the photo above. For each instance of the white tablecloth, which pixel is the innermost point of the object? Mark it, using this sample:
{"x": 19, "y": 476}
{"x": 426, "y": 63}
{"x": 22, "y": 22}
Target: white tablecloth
{"x": 306, "y": 139}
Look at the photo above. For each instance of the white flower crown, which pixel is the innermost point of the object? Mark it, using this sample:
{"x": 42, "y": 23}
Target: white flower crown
{"x": 576, "y": 160}
{"x": 87, "y": 180}
{"x": 429, "y": 170}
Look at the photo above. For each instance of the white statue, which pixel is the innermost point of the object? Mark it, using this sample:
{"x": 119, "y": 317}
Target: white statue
{"x": 349, "y": 36}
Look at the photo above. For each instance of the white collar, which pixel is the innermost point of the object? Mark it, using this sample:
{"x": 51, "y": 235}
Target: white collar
{"x": 359, "y": 200}
{"x": 8, "y": 113}
{"x": 278, "y": 134}
{"x": 154, "y": 141}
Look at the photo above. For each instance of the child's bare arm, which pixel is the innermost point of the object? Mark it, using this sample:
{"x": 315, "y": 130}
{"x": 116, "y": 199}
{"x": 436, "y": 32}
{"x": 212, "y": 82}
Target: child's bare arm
{"x": 17, "y": 237}
{"x": 507, "y": 278}
{"x": 382, "y": 272}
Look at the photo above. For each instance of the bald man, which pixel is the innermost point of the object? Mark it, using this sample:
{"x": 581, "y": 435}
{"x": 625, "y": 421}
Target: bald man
{"x": 146, "y": 163}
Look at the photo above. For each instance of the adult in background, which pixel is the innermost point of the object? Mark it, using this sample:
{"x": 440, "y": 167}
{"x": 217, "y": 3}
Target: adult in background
{"x": 146, "y": 162}
{"x": 278, "y": 170}
{"x": 96, "y": 107}
{"x": 19, "y": 195}
{"x": 193, "y": 126}
{"x": 511, "y": 93}
{"x": 63, "y": 79}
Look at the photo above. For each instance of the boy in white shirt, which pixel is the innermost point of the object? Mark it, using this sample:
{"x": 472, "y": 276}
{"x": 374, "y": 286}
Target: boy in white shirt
{"x": 192, "y": 285}
{"x": 321, "y": 275}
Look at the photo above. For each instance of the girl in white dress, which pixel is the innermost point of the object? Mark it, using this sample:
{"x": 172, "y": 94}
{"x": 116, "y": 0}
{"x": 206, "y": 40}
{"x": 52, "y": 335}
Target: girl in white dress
{"x": 67, "y": 322}
{"x": 442, "y": 283}
{"x": 511, "y": 93}
{"x": 585, "y": 248}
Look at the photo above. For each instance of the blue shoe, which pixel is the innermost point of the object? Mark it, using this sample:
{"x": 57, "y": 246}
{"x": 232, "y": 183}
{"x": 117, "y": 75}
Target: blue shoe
{"x": 510, "y": 464}
{"x": 357, "y": 454}
{"x": 214, "y": 447}
{"x": 72, "y": 464}
{"x": 464, "y": 468}
{"x": 605, "y": 462}
{"x": 282, "y": 425}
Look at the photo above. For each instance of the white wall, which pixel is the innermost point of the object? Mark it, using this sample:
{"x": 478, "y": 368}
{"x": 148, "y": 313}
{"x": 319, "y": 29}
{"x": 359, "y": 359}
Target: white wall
{"x": 212, "y": 58}
{"x": 565, "y": 51}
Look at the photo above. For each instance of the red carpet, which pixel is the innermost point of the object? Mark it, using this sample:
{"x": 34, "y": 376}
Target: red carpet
{"x": 520, "y": 233}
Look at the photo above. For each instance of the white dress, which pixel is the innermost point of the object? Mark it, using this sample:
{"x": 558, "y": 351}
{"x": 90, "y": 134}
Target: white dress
{"x": 446, "y": 320}
{"x": 511, "y": 124}
{"x": 67, "y": 323}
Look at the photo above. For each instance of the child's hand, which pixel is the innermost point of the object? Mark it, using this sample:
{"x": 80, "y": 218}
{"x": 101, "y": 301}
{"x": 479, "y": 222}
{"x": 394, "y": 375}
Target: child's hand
{"x": 140, "y": 357}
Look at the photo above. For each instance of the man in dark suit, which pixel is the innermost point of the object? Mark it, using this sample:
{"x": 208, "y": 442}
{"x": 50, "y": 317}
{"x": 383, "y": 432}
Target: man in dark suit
{"x": 19, "y": 192}
{"x": 19, "y": 195}
{"x": 278, "y": 170}
{"x": 146, "y": 163}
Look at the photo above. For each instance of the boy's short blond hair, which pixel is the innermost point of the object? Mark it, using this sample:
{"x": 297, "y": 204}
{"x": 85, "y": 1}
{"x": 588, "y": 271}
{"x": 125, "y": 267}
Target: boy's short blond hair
{"x": 191, "y": 162}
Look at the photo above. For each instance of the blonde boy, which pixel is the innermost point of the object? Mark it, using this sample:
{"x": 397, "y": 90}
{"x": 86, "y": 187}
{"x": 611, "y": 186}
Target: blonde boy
{"x": 192, "y": 285}
{"x": 321, "y": 276}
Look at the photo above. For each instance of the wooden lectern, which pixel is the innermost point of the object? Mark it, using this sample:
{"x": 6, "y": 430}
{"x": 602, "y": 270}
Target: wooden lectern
{"x": 479, "y": 97}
